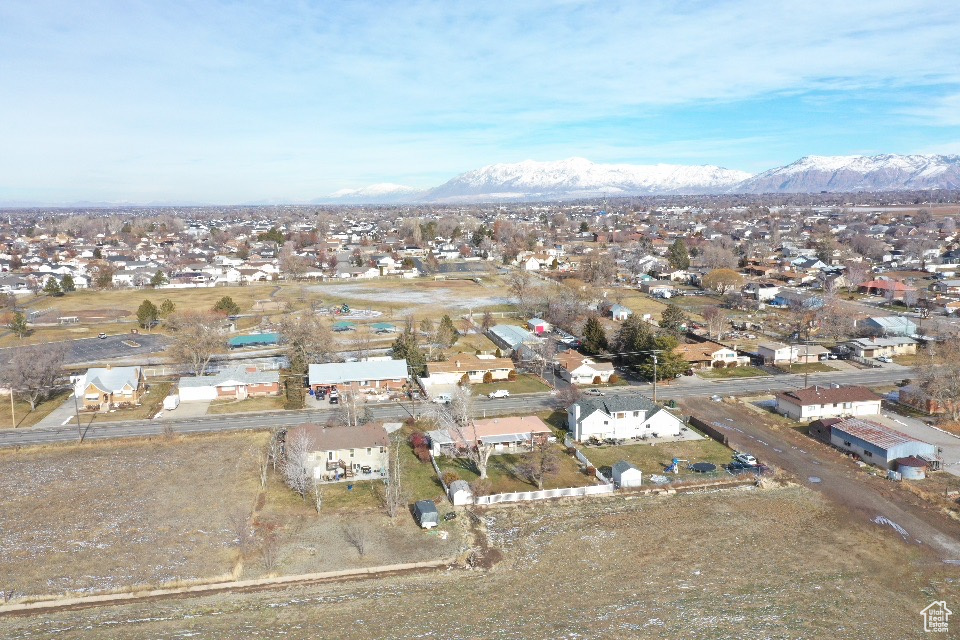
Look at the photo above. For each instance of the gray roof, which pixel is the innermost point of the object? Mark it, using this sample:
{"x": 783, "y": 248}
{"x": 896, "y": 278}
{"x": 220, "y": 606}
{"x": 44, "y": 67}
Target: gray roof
{"x": 233, "y": 375}
{"x": 512, "y": 335}
{"x": 346, "y": 372}
{"x": 613, "y": 404}
{"x": 622, "y": 466}
{"x": 459, "y": 485}
{"x": 112, "y": 379}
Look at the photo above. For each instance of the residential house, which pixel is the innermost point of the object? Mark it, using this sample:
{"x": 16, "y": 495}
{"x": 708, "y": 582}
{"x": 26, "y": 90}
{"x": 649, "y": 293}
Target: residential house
{"x": 877, "y": 347}
{"x": 890, "y": 289}
{"x": 950, "y": 287}
{"x": 580, "y": 369}
{"x": 235, "y": 383}
{"x": 475, "y": 367}
{"x": 828, "y": 402}
{"x": 514, "y": 434}
{"x": 103, "y": 388}
{"x": 620, "y": 417}
{"x": 658, "y": 288}
{"x": 761, "y": 291}
{"x": 703, "y": 355}
{"x": 358, "y": 376}
{"x": 778, "y": 353}
{"x": 344, "y": 453}
{"x": 916, "y": 398}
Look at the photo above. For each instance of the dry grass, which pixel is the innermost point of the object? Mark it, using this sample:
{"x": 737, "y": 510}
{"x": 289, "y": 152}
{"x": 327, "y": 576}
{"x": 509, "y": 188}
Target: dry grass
{"x": 83, "y": 518}
{"x": 24, "y": 416}
{"x": 776, "y": 563}
{"x": 654, "y": 458}
{"x": 42, "y": 335}
{"x": 264, "y": 403}
{"x": 505, "y": 477}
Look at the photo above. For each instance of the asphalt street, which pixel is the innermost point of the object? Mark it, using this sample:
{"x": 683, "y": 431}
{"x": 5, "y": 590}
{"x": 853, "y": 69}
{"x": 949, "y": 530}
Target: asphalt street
{"x": 518, "y": 404}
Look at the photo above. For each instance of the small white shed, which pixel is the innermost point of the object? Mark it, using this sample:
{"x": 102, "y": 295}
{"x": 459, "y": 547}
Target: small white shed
{"x": 626, "y": 475}
{"x": 460, "y": 493}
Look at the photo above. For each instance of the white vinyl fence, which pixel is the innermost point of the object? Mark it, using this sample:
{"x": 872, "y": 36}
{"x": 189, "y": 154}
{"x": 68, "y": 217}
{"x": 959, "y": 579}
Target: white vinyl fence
{"x": 546, "y": 494}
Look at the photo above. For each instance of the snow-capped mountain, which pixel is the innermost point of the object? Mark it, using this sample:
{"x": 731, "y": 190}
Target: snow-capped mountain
{"x": 580, "y": 178}
{"x": 886, "y": 172}
{"x": 380, "y": 192}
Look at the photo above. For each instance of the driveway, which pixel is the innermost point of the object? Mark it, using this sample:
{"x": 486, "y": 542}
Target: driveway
{"x": 186, "y": 410}
{"x": 59, "y": 416}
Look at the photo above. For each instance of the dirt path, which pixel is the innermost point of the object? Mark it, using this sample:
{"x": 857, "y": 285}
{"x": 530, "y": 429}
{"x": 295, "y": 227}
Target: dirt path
{"x": 827, "y": 471}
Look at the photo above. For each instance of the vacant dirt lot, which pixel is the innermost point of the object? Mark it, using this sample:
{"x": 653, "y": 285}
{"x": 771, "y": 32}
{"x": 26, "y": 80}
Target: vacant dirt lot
{"x": 110, "y": 515}
{"x": 778, "y": 563}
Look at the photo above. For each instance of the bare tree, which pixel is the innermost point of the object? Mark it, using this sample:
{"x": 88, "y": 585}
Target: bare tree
{"x": 307, "y": 339}
{"x": 351, "y": 409}
{"x": 269, "y": 544}
{"x": 716, "y": 319}
{"x": 361, "y": 343}
{"x": 487, "y": 321}
{"x": 241, "y": 527}
{"x": 394, "y": 494}
{"x": 540, "y": 462}
{"x": 33, "y": 371}
{"x": 461, "y": 405}
{"x": 296, "y": 470}
{"x": 357, "y": 535}
{"x": 939, "y": 376}
{"x": 520, "y": 284}
{"x": 197, "y": 336}
{"x": 567, "y": 395}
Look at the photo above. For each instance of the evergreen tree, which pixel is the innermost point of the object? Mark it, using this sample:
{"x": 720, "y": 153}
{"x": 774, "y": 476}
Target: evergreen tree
{"x": 227, "y": 306}
{"x": 631, "y": 337}
{"x": 147, "y": 314}
{"x": 67, "y": 283}
{"x": 167, "y": 308}
{"x": 18, "y": 324}
{"x": 159, "y": 279}
{"x": 449, "y": 331}
{"x": 673, "y": 319}
{"x": 678, "y": 255}
{"x": 669, "y": 363}
{"x": 405, "y": 347}
{"x": 52, "y": 288}
{"x": 594, "y": 337}
{"x": 584, "y": 227}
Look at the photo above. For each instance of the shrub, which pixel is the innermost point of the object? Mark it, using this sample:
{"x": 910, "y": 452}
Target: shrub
{"x": 422, "y": 453}
{"x": 449, "y": 477}
{"x": 597, "y": 380}
{"x": 487, "y": 378}
{"x": 614, "y": 378}
{"x": 481, "y": 487}
{"x": 717, "y": 364}
{"x": 465, "y": 379}
{"x": 418, "y": 439}
{"x": 512, "y": 375}
{"x": 731, "y": 365}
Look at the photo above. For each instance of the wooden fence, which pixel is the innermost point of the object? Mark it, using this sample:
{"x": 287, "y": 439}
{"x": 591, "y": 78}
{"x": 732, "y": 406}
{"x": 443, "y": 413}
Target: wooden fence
{"x": 708, "y": 429}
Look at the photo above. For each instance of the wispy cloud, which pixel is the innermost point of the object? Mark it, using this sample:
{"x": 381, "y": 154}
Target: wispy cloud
{"x": 238, "y": 100}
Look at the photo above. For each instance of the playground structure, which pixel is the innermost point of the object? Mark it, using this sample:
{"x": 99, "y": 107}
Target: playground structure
{"x": 674, "y": 466}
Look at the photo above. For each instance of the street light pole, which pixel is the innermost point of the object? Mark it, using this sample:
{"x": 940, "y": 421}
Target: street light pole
{"x": 654, "y": 378}
{"x": 76, "y": 409}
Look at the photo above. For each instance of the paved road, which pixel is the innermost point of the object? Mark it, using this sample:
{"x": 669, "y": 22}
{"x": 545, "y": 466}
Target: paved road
{"x": 124, "y": 345}
{"x": 519, "y": 404}
{"x": 877, "y": 502}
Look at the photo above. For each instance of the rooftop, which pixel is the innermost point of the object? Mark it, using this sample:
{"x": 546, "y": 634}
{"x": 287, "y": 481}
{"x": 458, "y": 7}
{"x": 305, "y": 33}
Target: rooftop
{"x": 873, "y": 433}
{"x": 324, "y": 438}
{"x": 828, "y": 395}
{"x": 345, "y": 372}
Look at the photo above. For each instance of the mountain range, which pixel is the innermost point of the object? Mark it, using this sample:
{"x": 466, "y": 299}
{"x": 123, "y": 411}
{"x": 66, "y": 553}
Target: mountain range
{"x": 580, "y": 178}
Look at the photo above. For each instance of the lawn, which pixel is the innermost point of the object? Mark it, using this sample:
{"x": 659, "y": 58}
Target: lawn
{"x": 809, "y": 367}
{"x": 505, "y": 478}
{"x": 150, "y": 405}
{"x": 525, "y": 383}
{"x": 735, "y": 372}
{"x": 263, "y": 403}
{"x": 59, "y": 333}
{"x": 654, "y": 458}
{"x": 25, "y": 417}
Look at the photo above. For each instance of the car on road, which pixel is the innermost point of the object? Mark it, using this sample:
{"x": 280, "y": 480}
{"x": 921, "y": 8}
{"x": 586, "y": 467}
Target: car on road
{"x": 102, "y": 336}
{"x": 744, "y": 458}
{"x": 500, "y": 393}
{"x": 593, "y": 392}
{"x": 443, "y": 398}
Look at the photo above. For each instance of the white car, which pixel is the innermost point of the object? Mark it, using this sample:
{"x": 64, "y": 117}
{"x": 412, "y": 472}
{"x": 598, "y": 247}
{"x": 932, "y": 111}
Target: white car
{"x": 443, "y": 398}
{"x": 500, "y": 393}
{"x": 593, "y": 392}
{"x": 886, "y": 359}
{"x": 745, "y": 458}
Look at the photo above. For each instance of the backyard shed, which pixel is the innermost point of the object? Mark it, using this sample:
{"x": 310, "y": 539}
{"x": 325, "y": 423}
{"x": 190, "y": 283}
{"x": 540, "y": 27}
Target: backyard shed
{"x": 426, "y": 514}
{"x": 460, "y": 493}
{"x": 626, "y": 475}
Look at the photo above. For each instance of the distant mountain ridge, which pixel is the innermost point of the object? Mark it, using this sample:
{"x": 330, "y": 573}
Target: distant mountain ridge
{"x": 580, "y": 178}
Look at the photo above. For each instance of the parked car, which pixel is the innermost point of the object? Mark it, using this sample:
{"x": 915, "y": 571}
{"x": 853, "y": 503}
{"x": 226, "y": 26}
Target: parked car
{"x": 593, "y": 392}
{"x": 500, "y": 393}
{"x": 886, "y": 359}
{"x": 334, "y": 399}
{"x": 745, "y": 458}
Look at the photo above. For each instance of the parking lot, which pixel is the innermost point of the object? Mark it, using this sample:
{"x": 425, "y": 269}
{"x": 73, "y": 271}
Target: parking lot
{"x": 112, "y": 347}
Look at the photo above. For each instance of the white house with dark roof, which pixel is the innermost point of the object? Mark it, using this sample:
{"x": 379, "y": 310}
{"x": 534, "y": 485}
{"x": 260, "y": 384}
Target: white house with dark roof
{"x": 620, "y": 417}
{"x": 818, "y": 402}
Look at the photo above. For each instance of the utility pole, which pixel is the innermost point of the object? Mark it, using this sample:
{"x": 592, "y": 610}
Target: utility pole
{"x": 76, "y": 409}
{"x": 13, "y": 414}
{"x": 654, "y": 378}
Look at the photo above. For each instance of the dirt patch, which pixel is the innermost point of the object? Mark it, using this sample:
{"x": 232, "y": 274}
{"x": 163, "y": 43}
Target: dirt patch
{"x": 465, "y": 295}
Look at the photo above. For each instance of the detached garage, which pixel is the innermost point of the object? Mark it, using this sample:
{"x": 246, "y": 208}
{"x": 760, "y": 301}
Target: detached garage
{"x": 626, "y": 475}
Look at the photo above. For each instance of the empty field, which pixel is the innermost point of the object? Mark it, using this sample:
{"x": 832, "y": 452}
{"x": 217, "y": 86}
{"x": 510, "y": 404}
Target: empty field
{"x": 777, "y": 564}
{"x": 84, "y": 518}
{"x": 422, "y": 297}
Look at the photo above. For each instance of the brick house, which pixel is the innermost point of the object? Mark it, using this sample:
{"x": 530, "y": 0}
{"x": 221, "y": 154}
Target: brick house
{"x": 100, "y": 389}
{"x": 235, "y": 383}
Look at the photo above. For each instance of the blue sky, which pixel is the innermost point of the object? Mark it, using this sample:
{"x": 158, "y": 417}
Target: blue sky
{"x": 228, "y": 102}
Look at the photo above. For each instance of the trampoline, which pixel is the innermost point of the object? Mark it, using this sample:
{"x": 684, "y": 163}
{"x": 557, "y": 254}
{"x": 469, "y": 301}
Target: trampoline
{"x": 703, "y": 467}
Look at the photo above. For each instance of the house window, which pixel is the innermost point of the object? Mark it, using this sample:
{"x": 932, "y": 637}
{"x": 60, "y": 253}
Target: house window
{"x": 369, "y": 450}
{"x": 636, "y": 414}
{"x": 846, "y": 443}
{"x": 351, "y": 453}
{"x": 621, "y": 415}
{"x": 383, "y": 449}
{"x": 606, "y": 422}
{"x": 868, "y": 454}
{"x": 330, "y": 455}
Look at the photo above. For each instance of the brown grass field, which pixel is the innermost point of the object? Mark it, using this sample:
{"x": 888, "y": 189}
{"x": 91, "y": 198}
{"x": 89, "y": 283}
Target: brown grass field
{"x": 776, "y": 563}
